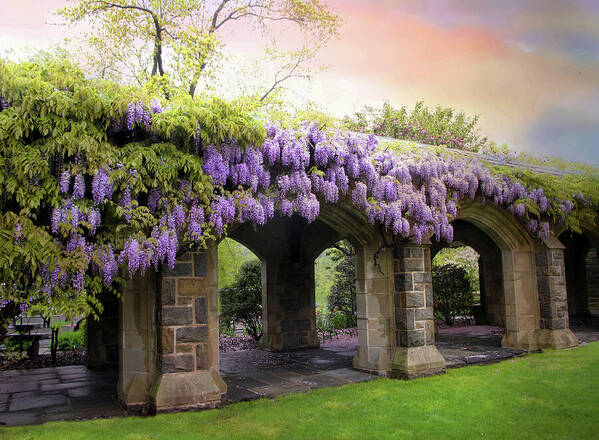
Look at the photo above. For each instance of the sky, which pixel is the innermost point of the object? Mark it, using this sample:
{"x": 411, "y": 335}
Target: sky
{"x": 529, "y": 68}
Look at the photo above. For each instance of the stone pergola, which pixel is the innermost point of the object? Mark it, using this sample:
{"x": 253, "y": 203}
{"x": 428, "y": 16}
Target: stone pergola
{"x": 168, "y": 335}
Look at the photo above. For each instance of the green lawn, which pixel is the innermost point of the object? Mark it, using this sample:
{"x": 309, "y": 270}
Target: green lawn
{"x": 553, "y": 395}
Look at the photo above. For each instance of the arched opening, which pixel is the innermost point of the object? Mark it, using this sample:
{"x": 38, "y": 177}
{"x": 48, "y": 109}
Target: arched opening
{"x": 336, "y": 307}
{"x": 468, "y": 292}
{"x": 240, "y": 297}
{"x": 290, "y": 355}
{"x": 462, "y": 302}
{"x": 508, "y": 271}
{"x": 591, "y": 261}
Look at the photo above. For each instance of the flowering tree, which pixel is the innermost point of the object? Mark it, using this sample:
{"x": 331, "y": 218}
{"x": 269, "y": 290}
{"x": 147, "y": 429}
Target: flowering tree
{"x": 143, "y": 38}
{"x": 97, "y": 178}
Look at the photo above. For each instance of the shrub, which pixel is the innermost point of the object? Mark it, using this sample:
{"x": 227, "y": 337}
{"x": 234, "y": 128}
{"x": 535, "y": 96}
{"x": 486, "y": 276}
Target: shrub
{"x": 328, "y": 322}
{"x": 463, "y": 256}
{"x": 342, "y": 299}
{"x": 435, "y": 126}
{"x": 242, "y": 301}
{"x": 69, "y": 341}
{"x": 452, "y": 293}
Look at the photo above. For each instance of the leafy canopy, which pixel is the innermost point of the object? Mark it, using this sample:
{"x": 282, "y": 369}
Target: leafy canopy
{"x": 54, "y": 121}
{"x": 184, "y": 38}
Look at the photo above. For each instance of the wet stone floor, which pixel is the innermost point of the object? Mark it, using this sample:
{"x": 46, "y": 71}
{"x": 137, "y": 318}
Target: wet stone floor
{"x": 74, "y": 393}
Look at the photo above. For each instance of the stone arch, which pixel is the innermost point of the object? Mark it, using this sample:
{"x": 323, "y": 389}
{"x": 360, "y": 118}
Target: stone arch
{"x": 288, "y": 248}
{"x": 521, "y": 303}
{"x": 490, "y": 270}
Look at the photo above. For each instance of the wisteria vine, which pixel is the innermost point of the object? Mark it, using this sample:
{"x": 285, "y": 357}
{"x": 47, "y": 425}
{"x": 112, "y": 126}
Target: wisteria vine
{"x": 293, "y": 172}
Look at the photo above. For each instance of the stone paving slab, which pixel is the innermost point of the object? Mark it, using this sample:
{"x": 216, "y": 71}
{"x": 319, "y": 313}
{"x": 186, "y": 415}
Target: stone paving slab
{"x": 34, "y": 402}
{"x": 63, "y": 393}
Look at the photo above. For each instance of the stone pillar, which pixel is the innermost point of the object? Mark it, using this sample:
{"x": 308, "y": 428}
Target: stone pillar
{"x": 374, "y": 301}
{"x": 551, "y": 282}
{"x": 288, "y": 305}
{"x": 521, "y": 300}
{"x": 415, "y": 354}
{"x": 137, "y": 366}
{"x": 188, "y": 375}
{"x": 102, "y": 336}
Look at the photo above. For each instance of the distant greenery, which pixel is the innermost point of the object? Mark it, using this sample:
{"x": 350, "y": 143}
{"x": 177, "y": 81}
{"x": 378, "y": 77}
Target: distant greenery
{"x": 549, "y": 396}
{"x": 68, "y": 341}
{"x": 464, "y": 257}
{"x": 324, "y": 271}
{"x": 432, "y": 126}
{"x": 241, "y": 302}
{"x": 452, "y": 294}
{"x": 342, "y": 297}
{"x": 231, "y": 256}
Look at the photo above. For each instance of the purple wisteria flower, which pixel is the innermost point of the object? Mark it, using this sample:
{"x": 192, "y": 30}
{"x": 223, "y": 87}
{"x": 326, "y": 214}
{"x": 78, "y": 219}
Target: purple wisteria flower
{"x": 65, "y": 182}
{"x": 79, "y": 187}
{"x": 101, "y": 186}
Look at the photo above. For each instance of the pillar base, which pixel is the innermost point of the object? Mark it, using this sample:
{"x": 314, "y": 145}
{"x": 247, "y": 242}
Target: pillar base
{"x": 415, "y": 362}
{"x": 178, "y": 391}
{"x": 557, "y": 339}
{"x": 133, "y": 394}
{"x": 373, "y": 360}
{"x": 521, "y": 340}
{"x": 266, "y": 343}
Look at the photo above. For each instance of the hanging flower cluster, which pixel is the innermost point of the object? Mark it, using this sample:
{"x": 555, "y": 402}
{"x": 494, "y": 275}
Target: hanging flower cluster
{"x": 411, "y": 195}
{"x": 292, "y": 172}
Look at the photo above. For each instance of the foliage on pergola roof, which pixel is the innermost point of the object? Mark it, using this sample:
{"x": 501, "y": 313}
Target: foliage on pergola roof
{"x": 95, "y": 176}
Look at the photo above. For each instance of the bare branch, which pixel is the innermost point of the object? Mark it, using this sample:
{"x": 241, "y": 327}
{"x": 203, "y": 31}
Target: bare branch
{"x": 290, "y": 74}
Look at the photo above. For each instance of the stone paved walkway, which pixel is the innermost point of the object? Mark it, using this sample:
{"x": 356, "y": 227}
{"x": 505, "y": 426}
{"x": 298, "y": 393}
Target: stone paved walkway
{"x": 254, "y": 374}
{"x": 73, "y": 393}
{"x": 62, "y": 393}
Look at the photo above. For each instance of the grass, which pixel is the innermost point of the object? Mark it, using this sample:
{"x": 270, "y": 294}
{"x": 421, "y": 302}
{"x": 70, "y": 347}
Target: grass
{"x": 551, "y": 395}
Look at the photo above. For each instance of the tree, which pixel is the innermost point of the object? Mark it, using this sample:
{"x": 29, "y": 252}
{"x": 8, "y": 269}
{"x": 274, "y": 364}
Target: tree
{"x": 242, "y": 301}
{"x": 462, "y": 256}
{"x": 343, "y": 291}
{"x": 142, "y": 38}
{"x": 452, "y": 293}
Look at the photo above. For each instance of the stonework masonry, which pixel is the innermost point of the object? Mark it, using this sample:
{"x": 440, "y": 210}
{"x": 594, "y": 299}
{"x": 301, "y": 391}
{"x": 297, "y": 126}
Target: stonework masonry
{"x": 553, "y": 301}
{"x": 188, "y": 335}
{"x": 169, "y": 342}
{"x": 415, "y": 354}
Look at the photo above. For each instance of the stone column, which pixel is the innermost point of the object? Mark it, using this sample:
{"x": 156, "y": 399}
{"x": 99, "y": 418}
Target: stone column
{"x": 288, "y": 305}
{"x": 521, "y": 300}
{"x": 374, "y": 301}
{"x": 415, "y": 354}
{"x": 137, "y": 366}
{"x": 188, "y": 375}
{"x": 551, "y": 282}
